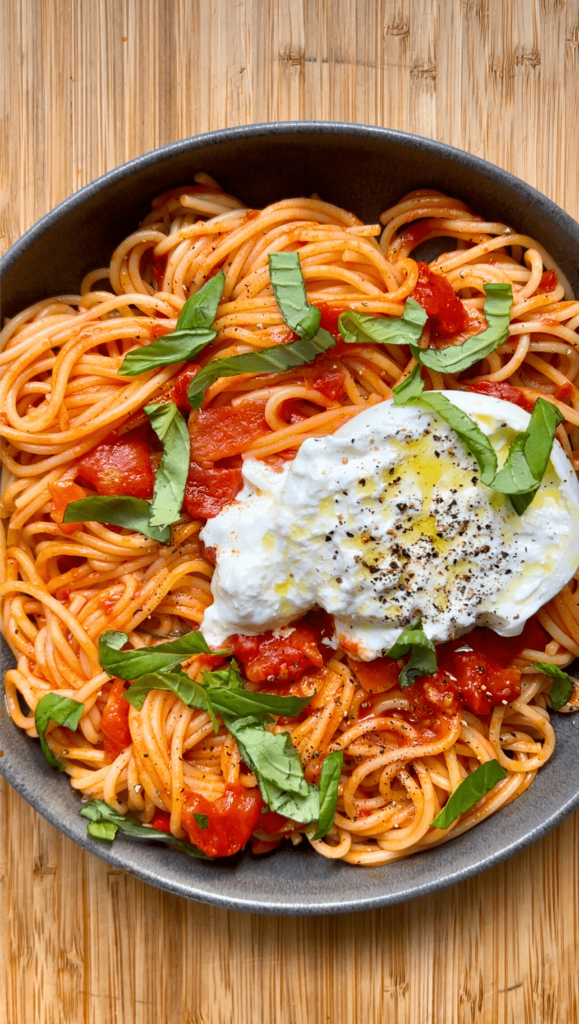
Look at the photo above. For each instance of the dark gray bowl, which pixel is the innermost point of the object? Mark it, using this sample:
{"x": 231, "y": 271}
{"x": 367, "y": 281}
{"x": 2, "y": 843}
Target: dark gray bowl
{"x": 365, "y": 170}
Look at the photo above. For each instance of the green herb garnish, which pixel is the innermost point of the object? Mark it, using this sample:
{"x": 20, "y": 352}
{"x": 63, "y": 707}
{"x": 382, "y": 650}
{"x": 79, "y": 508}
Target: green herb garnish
{"x": 132, "y": 513}
{"x": 422, "y": 661}
{"x": 289, "y": 290}
{"x": 497, "y": 310}
{"x": 193, "y": 331}
{"x": 469, "y": 792}
{"x": 329, "y": 782}
{"x": 171, "y": 429}
{"x": 528, "y": 457}
{"x": 521, "y": 475}
{"x": 163, "y": 657}
{"x": 277, "y": 359}
{"x": 63, "y": 711}
{"x": 562, "y": 686}
{"x": 105, "y": 822}
{"x": 361, "y": 328}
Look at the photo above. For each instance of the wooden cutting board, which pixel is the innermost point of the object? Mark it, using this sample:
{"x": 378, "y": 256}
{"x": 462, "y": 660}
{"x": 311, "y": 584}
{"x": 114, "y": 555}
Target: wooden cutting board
{"x": 88, "y": 84}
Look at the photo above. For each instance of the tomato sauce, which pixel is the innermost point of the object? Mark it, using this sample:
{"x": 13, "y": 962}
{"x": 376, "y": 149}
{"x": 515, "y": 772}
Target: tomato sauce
{"x": 118, "y": 467}
{"x": 447, "y": 314}
{"x": 231, "y": 820}
{"x": 115, "y": 721}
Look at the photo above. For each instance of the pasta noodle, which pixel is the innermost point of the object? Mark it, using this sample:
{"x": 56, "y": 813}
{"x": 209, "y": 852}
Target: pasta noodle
{"x": 61, "y": 397}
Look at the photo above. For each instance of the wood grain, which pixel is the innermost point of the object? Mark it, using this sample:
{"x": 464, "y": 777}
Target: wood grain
{"x": 86, "y": 85}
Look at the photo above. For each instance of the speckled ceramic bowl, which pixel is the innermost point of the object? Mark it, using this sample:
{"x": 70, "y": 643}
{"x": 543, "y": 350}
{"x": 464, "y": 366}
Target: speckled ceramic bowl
{"x": 365, "y": 170}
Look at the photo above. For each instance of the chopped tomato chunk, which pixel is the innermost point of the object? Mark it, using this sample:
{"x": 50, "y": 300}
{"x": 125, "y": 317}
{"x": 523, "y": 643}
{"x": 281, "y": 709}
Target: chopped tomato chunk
{"x": 441, "y": 690}
{"x": 209, "y": 490}
{"x": 501, "y": 389}
{"x": 115, "y": 720}
{"x": 376, "y": 676}
{"x": 181, "y": 383}
{"x": 548, "y": 282}
{"x": 482, "y": 683}
{"x": 161, "y": 820}
{"x": 231, "y": 820}
{"x": 267, "y": 658}
{"x": 272, "y": 822}
{"x": 476, "y": 670}
{"x": 330, "y": 317}
{"x": 62, "y": 493}
{"x": 119, "y": 467}
{"x": 436, "y": 296}
{"x": 226, "y": 431}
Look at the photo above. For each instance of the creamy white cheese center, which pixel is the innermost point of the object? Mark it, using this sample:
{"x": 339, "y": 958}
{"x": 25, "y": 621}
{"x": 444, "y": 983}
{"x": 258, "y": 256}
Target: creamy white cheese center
{"x": 385, "y": 521}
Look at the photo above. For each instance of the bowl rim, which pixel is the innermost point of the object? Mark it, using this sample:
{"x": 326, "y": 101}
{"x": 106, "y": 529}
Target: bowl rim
{"x": 256, "y": 130}
{"x": 123, "y": 854}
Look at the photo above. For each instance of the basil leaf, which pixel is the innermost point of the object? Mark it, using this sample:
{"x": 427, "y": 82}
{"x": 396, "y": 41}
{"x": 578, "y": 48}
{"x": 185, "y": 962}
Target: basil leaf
{"x": 289, "y": 290}
{"x": 63, "y": 711}
{"x": 131, "y": 664}
{"x": 228, "y": 676}
{"x": 476, "y": 785}
{"x": 303, "y": 808}
{"x": 410, "y": 390}
{"x": 191, "y": 693}
{"x": 171, "y": 348}
{"x": 415, "y": 642}
{"x": 200, "y": 309}
{"x": 171, "y": 429}
{"x": 271, "y": 756}
{"x": 98, "y": 811}
{"x": 202, "y": 821}
{"x": 329, "y": 782}
{"x": 497, "y": 310}
{"x": 562, "y": 687}
{"x": 194, "y": 330}
{"x": 276, "y": 359}
{"x": 528, "y": 457}
{"x": 360, "y": 328}
{"x": 469, "y": 432}
{"x": 105, "y": 831}
{"x": 132, "y": 513}
{"x": 241, "y": 703}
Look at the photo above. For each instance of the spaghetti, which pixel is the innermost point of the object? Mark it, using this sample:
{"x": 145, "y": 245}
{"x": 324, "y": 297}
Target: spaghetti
{"x": 71, "y": 426}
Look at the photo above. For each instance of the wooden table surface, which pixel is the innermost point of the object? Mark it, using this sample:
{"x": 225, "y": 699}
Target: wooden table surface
{"x": 89, "y": 84}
